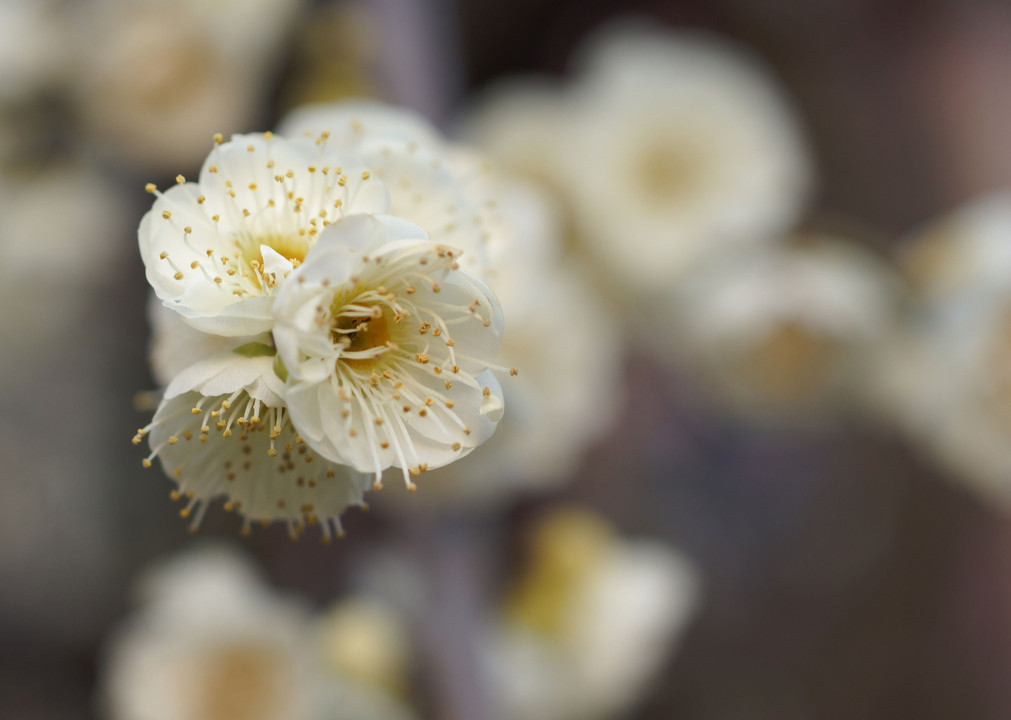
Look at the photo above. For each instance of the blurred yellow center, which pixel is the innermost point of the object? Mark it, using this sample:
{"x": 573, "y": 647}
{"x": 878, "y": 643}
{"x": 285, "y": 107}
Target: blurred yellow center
{"x": 290, "y": 247}
{"x": 792, "y": 363}
{"x": 565, "y": 550}
{"x": 668, "y": 171}
{"x": 244, "y": 681}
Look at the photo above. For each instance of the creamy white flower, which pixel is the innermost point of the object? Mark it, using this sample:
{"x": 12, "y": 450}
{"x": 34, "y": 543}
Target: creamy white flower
{"x": 687, "y": 147}
{"x": 667, "y": 149}
{"x": 591, "y": 621}
{"x": 215, "y": 249}
{"x": 388, "y": 346}
{"x": 964, "y": 250}
{"x": 523, "y": 124}
{"x": 427, "y": 183}
{"x": 223, "y": 430}
{"x": 568, "y": 389}
{"x": 33, "y": 48}
{"x": 175, "y": 346}
{"x": 211, "y": 642}
{"x": 157, "y": 78}
{"x": 783, "y": 330}
{"x": 947, "y": 377}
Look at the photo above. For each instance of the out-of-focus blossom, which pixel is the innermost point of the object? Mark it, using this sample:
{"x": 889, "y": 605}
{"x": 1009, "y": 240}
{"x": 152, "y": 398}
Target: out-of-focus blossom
{"x": 159, "y": 78}
{"x": 784, "y": 330}
{"x": 961, "y": 252}
{"x": 589, "y": 622}
{"x": 211, "y": 642}
{"x": 367, "y": 653}
{"x": 33, "y": 48}
{"x": 523, "y": 124}
{"x": 948, "y": 376}
{"x": 668, "y": 148}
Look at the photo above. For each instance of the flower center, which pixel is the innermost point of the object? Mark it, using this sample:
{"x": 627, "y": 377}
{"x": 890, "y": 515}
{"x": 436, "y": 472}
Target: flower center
{"x": 364, "y": 338}
{"x": 290, "y": 247}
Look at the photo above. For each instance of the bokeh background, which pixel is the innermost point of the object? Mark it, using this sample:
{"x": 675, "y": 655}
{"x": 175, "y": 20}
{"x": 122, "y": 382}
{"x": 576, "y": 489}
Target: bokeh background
{"x": 845, "y": 573}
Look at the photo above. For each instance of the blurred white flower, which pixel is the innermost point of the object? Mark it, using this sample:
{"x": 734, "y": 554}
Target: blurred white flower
{"x": 215, "y": 249}
{"x": 668, "y": 149}
{"x": 523, "y": 124}
{"x": 158, "y": 78}
{"x": 387, "y": 346}
{"x": 784, "y": 330}
{"x": 222, "y": 429}
{"x": 211, "y": 642}
{"x": 33, "y": 48}
{"x": 366, "y": 650}
{"x": 590, "y": 622}
{"x": 689, "y": 148}
{"x": 962, "y": 251}
{"x": 947, "y": 377}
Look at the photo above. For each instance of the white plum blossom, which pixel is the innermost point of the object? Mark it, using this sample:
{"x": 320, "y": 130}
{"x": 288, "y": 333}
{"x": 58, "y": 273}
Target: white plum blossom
{"x": 222, "y": 429}
{"x": 427, "y": 183}
{"x": 210, "y": 641}
{"x": 215, "y": 249}
{"x": 387, "y": 345}
{"x": 327, "y": 326}
{"x": 590, "y": 622}
{"x": 785, "y": 331}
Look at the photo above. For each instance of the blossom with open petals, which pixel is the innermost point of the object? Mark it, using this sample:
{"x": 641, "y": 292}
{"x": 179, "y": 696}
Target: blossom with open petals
{"x": 223, "y": 430}
{"x": 215, "y": 249}
{"x": 428, "y": 184}
{"x": 387, "y": 345}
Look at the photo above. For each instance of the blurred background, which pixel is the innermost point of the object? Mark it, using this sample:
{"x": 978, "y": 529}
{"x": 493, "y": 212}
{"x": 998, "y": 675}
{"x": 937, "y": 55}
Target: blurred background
{"x": 849, "y": 556}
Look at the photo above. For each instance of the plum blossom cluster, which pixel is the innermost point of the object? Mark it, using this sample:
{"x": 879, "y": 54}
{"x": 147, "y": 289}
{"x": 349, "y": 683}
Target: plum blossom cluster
{"x": 330, "y": 281}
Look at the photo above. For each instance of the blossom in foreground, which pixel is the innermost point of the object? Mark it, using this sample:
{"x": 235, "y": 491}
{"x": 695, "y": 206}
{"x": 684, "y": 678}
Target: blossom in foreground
{"x": 318, "y": 338}
{"x": 223, "y": 429}
{"x": 589, "y": 623}
{"x": 784, "y": 331}
{"x": 387, "y": 345}
{"x": 677, "y": 147}
{"x": 947, "y": 379}
{"x": 210, "y": 641}
{"x": 214, "y": 250}
{"x": 427, "y": 182}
